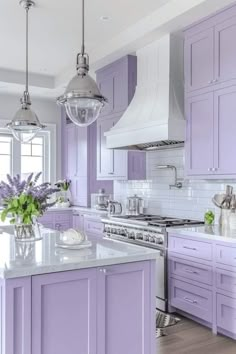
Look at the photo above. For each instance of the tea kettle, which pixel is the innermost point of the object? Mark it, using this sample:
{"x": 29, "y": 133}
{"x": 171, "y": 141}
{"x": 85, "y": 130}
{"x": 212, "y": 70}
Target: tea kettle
{"x": 114, "y": 208}
{"x": 134, "y": 205}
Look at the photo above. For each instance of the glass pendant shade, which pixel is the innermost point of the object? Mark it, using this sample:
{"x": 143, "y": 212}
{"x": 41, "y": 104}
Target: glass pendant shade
{"x": 25, "y": 124}
{"x": 82, "y": 100}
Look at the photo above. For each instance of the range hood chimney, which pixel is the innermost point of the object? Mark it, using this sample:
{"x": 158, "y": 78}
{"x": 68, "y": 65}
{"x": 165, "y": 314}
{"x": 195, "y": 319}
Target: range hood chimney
{"x": 155, "y": 116}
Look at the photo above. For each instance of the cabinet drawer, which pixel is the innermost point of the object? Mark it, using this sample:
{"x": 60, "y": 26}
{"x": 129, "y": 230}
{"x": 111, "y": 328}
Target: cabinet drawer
{"x": 190, "y": 270}
{"x": 191, "y": 299}
{"x": 226, "y": 255}
{"x": 63, "y": 217}
{"x": 226, "y": 280}
{"x": 93, "y": 227}
{"x": 197, "y": 249}
{"x": 62, "y": 226}
{"x": 226, "y": 313}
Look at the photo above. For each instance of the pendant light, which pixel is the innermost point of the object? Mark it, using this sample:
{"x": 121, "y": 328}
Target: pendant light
{"x": 82, "y": 99}
{"x": 25, "y": 124}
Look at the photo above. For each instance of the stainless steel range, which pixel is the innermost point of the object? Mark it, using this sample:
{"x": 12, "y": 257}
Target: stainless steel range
{"x": 148, "y": 231}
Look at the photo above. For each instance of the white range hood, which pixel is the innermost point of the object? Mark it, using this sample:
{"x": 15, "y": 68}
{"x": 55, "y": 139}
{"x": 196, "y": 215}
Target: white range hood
{"x": 155, "y": 116}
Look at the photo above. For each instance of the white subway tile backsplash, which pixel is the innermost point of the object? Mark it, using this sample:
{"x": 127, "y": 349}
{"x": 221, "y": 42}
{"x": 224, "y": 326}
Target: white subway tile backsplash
{"x": 192, "y": 201}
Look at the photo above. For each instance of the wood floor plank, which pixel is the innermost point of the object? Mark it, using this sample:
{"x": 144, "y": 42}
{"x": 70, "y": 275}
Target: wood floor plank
{"x": 188, "y": 337}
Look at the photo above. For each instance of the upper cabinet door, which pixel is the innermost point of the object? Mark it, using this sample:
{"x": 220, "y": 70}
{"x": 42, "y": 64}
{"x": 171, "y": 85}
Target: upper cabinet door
{"x": 199, "y": 60}
{"x": 71, "y": 143}
{"x": 225, "y": 50}
{"x": 225, "y": 128}
{"x": 199, "y": 140}
{"x": 106, "y": 85}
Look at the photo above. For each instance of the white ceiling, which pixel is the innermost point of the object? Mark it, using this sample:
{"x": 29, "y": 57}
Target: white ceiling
{"x": 55, "y": 35}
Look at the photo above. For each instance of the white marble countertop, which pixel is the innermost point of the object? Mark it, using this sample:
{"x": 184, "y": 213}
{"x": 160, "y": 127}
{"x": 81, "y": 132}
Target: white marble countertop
{"x": 206, "y": 232}
{"x": 79, "y": 209}
{"x": 19, "y": 259}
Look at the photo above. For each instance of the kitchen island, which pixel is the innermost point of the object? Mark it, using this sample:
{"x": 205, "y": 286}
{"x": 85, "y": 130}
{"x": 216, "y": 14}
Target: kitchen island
{"x": 99, "y": 300}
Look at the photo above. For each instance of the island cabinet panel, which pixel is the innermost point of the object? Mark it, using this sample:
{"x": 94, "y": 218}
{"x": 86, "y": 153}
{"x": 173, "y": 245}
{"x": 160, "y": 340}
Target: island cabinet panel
{"x": 57, "y": 220}
{"x": 64, "y": 313}
{"x": 124, "y": 299}
{"x": 16, "y": 316}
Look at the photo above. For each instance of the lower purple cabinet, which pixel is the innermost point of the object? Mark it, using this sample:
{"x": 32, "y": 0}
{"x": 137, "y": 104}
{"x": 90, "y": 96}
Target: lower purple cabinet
{"x": 57, "y": 220}
{"x": 108, "y": 310}
{"x": 202, "y": 281}
{"x": 64, "y": 313}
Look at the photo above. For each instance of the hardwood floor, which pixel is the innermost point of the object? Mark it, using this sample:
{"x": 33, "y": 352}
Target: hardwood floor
{"x": 188, "y": 337}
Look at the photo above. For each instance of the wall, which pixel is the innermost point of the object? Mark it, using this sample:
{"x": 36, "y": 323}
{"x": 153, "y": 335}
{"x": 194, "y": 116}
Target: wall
{"x": 191, "y": 201}
{"x": 47, "y": 111}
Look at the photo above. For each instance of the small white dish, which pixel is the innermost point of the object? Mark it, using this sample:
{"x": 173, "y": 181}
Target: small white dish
{"x": 75, "y": 246}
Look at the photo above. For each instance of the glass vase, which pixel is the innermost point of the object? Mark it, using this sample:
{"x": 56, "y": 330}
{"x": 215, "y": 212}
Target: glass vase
{"x": 27, "y": 232}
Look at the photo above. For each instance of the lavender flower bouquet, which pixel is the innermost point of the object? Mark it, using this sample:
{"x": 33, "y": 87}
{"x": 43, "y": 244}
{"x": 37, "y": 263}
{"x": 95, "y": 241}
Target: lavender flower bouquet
{"x": 25, "y": 200}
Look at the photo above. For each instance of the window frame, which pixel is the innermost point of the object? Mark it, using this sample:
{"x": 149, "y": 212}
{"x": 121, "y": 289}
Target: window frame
{"x": 49, "y": 152}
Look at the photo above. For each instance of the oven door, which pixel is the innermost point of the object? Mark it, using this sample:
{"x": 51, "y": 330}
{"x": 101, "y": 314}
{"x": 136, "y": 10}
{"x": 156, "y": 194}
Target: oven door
{"x": 161, "y": 290}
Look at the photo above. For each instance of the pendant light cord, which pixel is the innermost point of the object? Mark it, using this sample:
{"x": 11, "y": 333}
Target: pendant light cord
{"x": 27, "y": 50}
{"x": 83, "y": 47}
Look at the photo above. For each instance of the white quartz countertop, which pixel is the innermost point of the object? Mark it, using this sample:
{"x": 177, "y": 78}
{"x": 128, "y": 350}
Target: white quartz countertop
{"x": 79, "y": 209}
{"x": 19, "y": 259}
{"x": 206, "y": 232}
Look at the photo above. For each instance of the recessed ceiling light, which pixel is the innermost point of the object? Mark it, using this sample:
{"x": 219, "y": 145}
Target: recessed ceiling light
{"x": 105, "y": 18}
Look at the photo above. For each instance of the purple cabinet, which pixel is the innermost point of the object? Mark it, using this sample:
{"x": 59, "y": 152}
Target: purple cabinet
{"x": 199, "y": 60}
{"x": 125, "y": 321}
{"x": 57, "y": 220}
{"x": 117, "y": 82}
{"x": 224, "y": 131}
{"x": 226, "y": 313}
{"x": 210, "y": 88}
{"x": 200, "y": 136}
{"x": 64, "y": 313}
{"x": 76, "y": 144}
{"x": 225, "y": 52}
{"x": 15, "y": 311}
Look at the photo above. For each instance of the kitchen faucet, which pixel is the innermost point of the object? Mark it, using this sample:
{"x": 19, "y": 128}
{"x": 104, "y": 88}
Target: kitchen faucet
{"x": 177, "y": 184}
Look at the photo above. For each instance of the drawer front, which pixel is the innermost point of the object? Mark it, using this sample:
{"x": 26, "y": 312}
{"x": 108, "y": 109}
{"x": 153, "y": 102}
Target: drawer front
{"x": 226, "y": 280}
{"x": 193, "y": 271}
{"x": 63, "y": 217}
{"x": 226, "y": 313}
{"x": 191, "y": 299}
{"x": 226, "y": 255}
{"x": 93, "y": 227}
{"x": 196, "y": 249}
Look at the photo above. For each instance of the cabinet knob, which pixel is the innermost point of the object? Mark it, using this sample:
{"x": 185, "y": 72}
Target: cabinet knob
{"x": 103, "y": 270}
{"x": 210, "y": 82}
{"x": 209, "y": 169}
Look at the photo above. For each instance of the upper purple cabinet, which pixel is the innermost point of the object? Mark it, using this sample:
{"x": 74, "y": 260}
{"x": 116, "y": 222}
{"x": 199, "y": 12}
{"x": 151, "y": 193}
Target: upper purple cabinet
{"x": 210, "y": 96}
{"x": 75, "y": 152}
{"x": 199, "y": 60}
{"x": 209, "y": 54}
{"x": 117, "y": 83}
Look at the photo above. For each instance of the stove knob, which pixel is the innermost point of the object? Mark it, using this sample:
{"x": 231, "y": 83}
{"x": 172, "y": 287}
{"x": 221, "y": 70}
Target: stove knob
{"x": 146, "y": 237}
{"x": 139, "y": 236}
{"x": 131, "y": 235}
{"x": 151, "y": 239}
{"x": 159, "y": 241}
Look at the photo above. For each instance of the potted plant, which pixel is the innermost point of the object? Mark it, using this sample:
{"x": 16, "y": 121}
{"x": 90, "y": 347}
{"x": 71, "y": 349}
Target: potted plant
{"x": 24, "y": 201}
{"x": 63, "y": 199}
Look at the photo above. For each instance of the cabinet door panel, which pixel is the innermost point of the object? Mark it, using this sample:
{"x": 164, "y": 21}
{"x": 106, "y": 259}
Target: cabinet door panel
{"x": 225, "y": 51}
{"x": 61, "y": 322}
{"x": 71, "y": 150}
{"x": 225, "y": 127}
{"x": 105, "y": 157}
{"x": 123, "y": 287}
{"x": 226, "y": 313}
{"x": 199, "y": 60}
{"x": 106, "y": 86}
{"x": 200, "y": 142}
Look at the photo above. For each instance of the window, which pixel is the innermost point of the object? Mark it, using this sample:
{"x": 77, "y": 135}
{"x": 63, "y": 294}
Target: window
{"x": 23, "y": 159}
{"x": 5, "y": 156}
{"x": 32, "y": 157}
